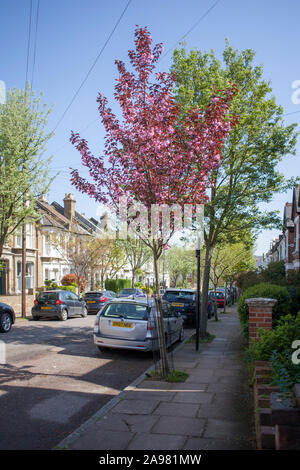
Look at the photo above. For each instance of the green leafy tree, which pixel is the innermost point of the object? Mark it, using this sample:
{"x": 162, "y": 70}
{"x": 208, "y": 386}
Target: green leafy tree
{"x": 180, "y": 263}
{"x": 24, "y": 174}
{"x": 248, "y": 175}
{"x": 137, "y": 254}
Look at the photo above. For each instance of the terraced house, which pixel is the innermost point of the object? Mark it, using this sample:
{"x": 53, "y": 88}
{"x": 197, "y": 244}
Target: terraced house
{"x": 43, "y": 259}
{"x": 287, "y": 246}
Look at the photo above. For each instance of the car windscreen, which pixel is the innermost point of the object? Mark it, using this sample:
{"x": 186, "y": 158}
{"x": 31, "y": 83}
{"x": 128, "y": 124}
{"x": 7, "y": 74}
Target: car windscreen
{"x": 127, "y": 311}
{"x": 47, "y": 296}
{"x": 179, "y": 295}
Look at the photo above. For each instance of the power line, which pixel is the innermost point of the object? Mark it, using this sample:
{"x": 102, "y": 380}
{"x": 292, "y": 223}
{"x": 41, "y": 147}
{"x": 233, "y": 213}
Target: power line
{"x": 28, "y": 43}
{"x": 35, "y": 41}
{"x": 193, "y": 27}
{"x": 93, "y": 65}
{"x": 288, "y": 114}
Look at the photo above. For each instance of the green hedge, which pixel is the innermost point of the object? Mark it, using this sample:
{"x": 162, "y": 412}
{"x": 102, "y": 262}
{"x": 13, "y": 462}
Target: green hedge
{"x": 117, "y": 284}
{"x": 276, "y": 346}
{"x": 270, "y": 291}
{"x": 295, "y": 297}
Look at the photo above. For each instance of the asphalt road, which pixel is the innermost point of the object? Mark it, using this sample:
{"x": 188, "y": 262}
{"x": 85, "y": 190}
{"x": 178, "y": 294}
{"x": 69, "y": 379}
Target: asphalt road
{"x": 55, "y": 378}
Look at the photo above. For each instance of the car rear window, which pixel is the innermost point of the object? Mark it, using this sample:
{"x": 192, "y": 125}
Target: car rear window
{"x": 174, "y": 295}
{"x": 47, "y": 296}
{"x": 219, "y": 295}
{"x": 129, "y": 311}
{"x": 127, "y": 291}
{"x": 93, "y": 295}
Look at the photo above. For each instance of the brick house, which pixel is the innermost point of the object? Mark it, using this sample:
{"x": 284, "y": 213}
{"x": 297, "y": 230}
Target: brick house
{"x": 295, "y": 216}
{"x": 291, "y": 231}
{"x": 42, "y": 259}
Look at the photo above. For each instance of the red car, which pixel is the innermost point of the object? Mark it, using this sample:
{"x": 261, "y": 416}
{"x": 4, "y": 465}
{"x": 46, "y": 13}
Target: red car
{"x": 220, "y": 297}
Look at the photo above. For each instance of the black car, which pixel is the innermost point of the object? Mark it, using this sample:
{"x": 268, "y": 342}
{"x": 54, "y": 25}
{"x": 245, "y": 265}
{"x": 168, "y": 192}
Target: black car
{"x": 7, "y": 317}
{"x": 58, "y": 303}
{"x": 96, "y": 300}
{"x": 184, "y": 302}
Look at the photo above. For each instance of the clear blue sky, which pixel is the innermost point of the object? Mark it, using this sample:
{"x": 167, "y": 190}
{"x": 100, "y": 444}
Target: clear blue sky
{"x": 72, "y": 32}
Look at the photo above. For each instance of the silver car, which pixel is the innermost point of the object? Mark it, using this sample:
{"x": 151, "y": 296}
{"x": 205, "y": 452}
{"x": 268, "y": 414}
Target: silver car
{"x": 132, "y": 324}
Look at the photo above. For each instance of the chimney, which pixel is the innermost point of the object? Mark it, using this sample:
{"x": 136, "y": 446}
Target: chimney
{"x": 69, "y": 206}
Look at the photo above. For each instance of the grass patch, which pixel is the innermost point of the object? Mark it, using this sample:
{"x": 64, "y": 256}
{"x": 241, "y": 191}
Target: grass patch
{"x": 205, "y": 340}
{"x": 174, "y": 376}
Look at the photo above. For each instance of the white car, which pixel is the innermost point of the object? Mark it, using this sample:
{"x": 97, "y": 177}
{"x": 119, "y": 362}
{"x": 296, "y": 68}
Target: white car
{"x": 132, "y": 324}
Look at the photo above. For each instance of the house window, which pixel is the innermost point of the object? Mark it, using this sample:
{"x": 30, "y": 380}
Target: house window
{"x": 29, "y": 236}
{"x": 29, "y": 278}
{"x": 18, "y": 238}
{"x": 29, "y": 275}
{"x": 19, "y": 276}
{"x": 47, "y": 245}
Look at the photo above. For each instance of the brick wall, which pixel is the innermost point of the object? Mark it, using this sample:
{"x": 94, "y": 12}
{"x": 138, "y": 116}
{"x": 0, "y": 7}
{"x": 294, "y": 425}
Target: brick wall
{"x": 260, "y": 316}
{"x": 15, "y": 302}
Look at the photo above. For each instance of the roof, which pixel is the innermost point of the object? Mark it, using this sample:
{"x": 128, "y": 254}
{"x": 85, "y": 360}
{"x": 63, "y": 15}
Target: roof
{"x": 85, "y": 223}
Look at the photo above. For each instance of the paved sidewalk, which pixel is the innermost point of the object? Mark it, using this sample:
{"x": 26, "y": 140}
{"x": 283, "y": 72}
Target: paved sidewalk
{"x": 211, "y": 410}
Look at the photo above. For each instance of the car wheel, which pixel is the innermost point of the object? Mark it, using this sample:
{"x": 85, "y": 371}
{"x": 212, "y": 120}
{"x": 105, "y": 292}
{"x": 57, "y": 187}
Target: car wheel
{"x": 5, "y": 322}
{"x": 64, "y": 315}
{"x": 84, "y": 313}
{"x": 35, "y": 318}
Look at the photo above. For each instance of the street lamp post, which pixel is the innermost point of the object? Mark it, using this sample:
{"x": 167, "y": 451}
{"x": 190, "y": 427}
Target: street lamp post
{"x": 198, "y": 300}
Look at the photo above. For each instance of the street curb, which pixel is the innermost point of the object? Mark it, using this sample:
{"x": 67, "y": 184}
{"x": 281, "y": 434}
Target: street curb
{"x": 63, "y": 445}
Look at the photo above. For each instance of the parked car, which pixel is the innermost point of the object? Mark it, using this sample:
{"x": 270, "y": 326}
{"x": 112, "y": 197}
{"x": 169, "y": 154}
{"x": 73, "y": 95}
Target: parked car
{"x": 58, "y": 303}
{"x": 132, "y": 324}
{"x": 133, "y": 292}
{"x": 220, "y": 297}
{"x": 227, "y": 293}
{"x": 7, "y": 317}
{"x": 95, "y": 300}
{"x": 161, "y": 291}
{"x": 184, "y": 302}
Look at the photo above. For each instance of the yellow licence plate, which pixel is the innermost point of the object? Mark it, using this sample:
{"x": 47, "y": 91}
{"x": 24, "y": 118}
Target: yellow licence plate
{"x": 177, "y": 304}
{"x": 122, "y": 324}
{"x": 46, "y": 308}
{"x": 91, "y": 301}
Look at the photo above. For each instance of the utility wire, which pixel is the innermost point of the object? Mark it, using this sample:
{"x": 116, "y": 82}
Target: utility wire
{"x": 193, "y": 27}
{"x": 28, "y": 44}
{"x": 93, "y": 65}
{"x": 35, "y": 41}
{"x": 288, "y": 114}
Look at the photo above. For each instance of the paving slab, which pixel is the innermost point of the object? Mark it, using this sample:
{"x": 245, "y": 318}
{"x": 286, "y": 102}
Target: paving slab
{"x": 193, "y": 397}
{"x": 179, "y": 425}
{"x": 102, "y": 440}
{"x": 144, "y": 441}
{"x": 135, "y": 407}
{"x": 188, "y": 410}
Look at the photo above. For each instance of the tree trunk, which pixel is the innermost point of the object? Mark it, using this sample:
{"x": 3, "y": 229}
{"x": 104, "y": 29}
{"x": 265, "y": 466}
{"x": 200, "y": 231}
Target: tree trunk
{"x": 23, "y": 303}
{"x": 160, "y": 323}
{"x": 216, "y": 303}
{"x": 205, "y": 286}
